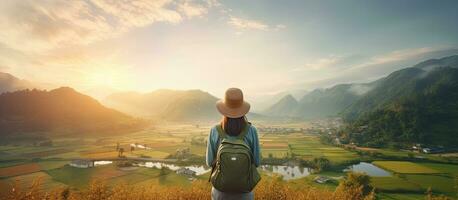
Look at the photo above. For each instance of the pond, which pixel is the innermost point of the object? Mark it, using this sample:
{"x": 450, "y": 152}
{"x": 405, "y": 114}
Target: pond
{"x": 288, "y": 172}
{"x": 102, "y": 162}
{"x": 199, "y": 169}
{"x": 367, "y": 168}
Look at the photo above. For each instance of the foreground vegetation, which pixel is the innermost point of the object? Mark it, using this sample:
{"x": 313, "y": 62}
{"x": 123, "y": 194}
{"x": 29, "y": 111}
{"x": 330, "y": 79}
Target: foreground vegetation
{"x": 354, "y": 187}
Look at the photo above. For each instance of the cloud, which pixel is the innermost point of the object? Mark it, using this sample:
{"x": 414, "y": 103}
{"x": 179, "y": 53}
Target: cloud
{"x": 359, "y": 89}
{"x": 322, "y": 63}
{"x": 359, "y": 69}
{"x": 248, "y": 24}
{"x": 190, "y": 9}
{"x": 395, "y": 56}
{"x": 36, "y": 26}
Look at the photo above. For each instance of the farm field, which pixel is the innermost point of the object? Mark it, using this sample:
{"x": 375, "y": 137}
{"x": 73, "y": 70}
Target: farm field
{"x": 405, "y": 167}
{"x": 409, "y": 180}
{"x": 305, "y": 146}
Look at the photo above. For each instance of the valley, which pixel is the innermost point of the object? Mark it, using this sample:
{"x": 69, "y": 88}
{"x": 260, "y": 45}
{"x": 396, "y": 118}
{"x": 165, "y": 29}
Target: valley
{"x": 173, "y": 154}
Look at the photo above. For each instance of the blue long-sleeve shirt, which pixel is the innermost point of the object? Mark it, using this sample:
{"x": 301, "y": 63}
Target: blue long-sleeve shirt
{"x": 251, "y": 138}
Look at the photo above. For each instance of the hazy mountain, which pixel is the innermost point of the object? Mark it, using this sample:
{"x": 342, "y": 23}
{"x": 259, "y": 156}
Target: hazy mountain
{"x": 354, "y": 99}
{"x": 320, "y": 102}
{"x": 399, "y": 85}
{"x": 285, "y": 107}
{"x": 330, "y": 101}
{"x": 175, "y": 105}
{"x": 417, "y": 104}
{"x": 450, "y": 61}
{"x": 61, "y": 111}
{"x": 10, "y": 83}
{"x": 263, "y": 102}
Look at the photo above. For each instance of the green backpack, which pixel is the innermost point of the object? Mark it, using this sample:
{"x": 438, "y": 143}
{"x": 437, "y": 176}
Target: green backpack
{"x": 234, "y": 170}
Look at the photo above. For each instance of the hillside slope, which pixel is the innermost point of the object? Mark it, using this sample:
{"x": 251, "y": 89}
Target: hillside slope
{"x": 61, "y": 110}
{"x": 285, "y": 107}
{"x": 417, "y": 104}
{"x": 174, "y": 105}
{"x": 9, "y": 83}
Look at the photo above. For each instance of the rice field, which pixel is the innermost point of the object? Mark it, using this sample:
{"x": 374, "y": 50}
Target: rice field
{"x": 305, "y": 146}
{"x": 19, "y": 170}
{"x": 27, "y": 180}
{"x": 405, "y": 167}
{"x": 395, "y": 184}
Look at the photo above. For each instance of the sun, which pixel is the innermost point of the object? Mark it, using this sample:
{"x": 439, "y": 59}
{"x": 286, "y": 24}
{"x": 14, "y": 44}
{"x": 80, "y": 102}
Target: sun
{"x": 106, "y": 77}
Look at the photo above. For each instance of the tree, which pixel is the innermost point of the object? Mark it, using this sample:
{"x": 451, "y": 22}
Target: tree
{"x": 320, "y": 163}
{"x": 120, "y": 152}
{"x": 355, "y": 181}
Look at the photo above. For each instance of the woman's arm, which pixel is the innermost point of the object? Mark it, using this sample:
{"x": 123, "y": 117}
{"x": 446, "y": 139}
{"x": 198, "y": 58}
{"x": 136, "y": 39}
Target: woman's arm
{"x": 210, "y": 155}
{"x": 256, "y": 147}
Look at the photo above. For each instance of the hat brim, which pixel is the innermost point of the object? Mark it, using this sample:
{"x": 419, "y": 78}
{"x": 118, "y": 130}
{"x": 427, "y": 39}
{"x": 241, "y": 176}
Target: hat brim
{"x": 233, "y": 112}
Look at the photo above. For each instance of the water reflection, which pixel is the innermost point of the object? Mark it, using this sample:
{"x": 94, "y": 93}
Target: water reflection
{"x": 102, "y": 162}
{"x": 199, "y": 169}
{"x": 368, "y": 168}
{"x": 288, "y": 172}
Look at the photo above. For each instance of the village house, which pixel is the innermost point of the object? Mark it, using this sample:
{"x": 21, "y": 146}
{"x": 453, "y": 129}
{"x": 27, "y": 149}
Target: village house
{"x": 82, "y": 163}
{"x": 321, "y": 179}
{"x": 186, "y": 171}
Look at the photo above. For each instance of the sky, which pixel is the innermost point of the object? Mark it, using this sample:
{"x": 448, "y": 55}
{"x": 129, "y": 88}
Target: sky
{"x": 264, "y": 47}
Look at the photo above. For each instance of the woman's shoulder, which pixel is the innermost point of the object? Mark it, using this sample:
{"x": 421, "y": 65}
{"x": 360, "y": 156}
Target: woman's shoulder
{"x": 252, "y": 128}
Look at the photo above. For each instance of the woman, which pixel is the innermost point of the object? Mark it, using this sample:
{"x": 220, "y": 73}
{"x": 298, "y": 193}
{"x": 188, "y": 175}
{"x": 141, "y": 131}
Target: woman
{"x": 225, "y": 146}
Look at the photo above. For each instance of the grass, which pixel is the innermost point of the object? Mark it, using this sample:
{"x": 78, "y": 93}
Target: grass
{"x": 405, "y": 167}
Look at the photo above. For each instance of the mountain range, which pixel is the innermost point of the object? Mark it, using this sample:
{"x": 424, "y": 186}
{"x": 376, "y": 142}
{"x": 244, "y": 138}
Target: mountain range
{"x": 415, "y": 104}
{"x": 355, "y": 98}
{"x": 173, "y": 105}
{"x": 59, "y": 111}
{"x": 320, "y": 102}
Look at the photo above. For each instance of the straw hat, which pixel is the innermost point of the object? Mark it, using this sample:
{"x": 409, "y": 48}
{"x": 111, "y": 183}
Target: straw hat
{"x": 233, "y": 105}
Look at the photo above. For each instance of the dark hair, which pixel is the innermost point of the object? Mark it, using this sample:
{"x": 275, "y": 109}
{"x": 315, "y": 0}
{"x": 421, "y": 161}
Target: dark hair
{"x": 233, "y": 126}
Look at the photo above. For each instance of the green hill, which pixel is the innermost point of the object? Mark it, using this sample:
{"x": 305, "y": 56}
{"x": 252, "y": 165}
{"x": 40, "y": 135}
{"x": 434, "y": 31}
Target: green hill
{"x": 417, "y": 104}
